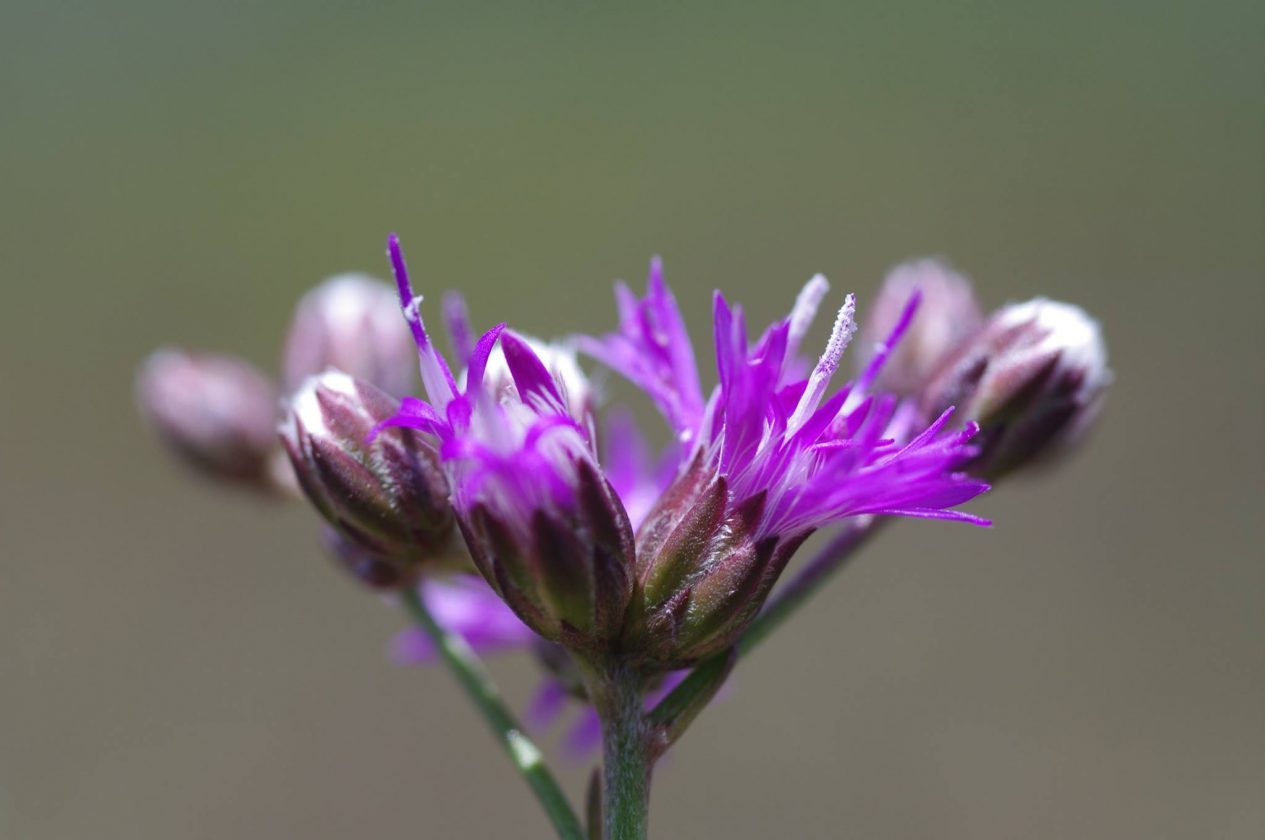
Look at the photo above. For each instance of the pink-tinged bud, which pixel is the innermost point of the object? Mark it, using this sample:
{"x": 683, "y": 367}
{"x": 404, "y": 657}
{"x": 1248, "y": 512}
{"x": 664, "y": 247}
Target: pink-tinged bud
{"x": 352, "y": 323}
{"x": 701, "y": 574}
{"x": 217, "y": 412}
{"x": 387, "y": 498}
{"x": 1033, "y": 378}
{"x": 563, "y": 571}
{"x": 946, "y": 316}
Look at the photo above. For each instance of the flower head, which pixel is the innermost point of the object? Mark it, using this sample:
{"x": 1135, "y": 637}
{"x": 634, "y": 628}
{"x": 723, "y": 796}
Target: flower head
{"x": 771, "y": 456}
{"x": 543, "y": 525}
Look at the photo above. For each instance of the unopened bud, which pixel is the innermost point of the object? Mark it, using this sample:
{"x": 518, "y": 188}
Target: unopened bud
{"x": 947, "y": 315}
{"x": 388, "y": 498}
{"x": 352, "y": 323}
{"x": 217, "y": 412}
{"x": 1033, "y": 378}
{"x": 701, "y": 575}
{"x": 563, "y": 571}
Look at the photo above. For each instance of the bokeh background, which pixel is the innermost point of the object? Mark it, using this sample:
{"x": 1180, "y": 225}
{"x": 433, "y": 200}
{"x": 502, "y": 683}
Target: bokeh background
{"x": 177, "y": 661}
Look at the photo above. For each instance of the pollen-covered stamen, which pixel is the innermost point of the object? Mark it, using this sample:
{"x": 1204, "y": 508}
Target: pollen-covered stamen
{"x": 804, "y": 311}
{"x": 840, "y": 335}
{"x": 440, "y": 385}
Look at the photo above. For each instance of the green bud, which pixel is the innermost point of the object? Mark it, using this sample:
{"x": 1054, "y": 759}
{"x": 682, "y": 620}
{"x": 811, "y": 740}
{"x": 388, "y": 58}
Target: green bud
{"x": 701, "y": 575}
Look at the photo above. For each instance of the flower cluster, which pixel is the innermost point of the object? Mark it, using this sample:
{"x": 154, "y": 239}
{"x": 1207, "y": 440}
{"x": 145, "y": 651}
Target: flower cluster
{"x": 563, "y": 530}
{"x": 508, "y": 509}
{"x": 767, "y": 458}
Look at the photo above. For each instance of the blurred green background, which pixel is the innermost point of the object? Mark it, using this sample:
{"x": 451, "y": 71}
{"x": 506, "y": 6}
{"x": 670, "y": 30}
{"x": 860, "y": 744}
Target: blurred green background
{"x": 176, "y": 661}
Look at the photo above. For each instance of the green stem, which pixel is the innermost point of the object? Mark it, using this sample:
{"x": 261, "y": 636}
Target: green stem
{"x": 626, "y": 755}
{"x": 482, "y": 691}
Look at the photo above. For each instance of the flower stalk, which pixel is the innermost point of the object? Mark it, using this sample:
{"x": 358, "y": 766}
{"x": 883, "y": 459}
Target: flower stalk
{"x": 486, "y": 697}
{"x": 627, "y": 756}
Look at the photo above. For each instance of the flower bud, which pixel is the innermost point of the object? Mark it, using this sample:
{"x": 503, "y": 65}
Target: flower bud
{"x": 563, "y": 571}
{"x": 352, "y": 323}
{"x": 1033, "y": 378}
{"x": 701, "y": 573}
{"x": 388, "y": 498}
{"x": 217, "y": 412}
{"x": 947, "y": 315}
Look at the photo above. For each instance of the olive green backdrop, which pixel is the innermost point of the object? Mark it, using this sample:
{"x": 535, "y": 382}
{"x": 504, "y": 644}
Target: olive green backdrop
{"x": 179, "y": 662}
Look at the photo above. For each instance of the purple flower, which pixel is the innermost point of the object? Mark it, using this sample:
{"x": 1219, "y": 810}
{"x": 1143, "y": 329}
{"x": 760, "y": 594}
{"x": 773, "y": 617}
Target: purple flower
{"x": 769, "y": 431}
{"x": 768, "y": 457}
{"x": 544, "y": 526}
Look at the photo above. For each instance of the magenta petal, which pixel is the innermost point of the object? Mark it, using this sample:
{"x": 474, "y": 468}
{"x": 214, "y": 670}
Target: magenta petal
{"x": 412, "y": 647}
{"x": 547, "y": 705}
{"x": 479, "y": 358}
{"x": 435, "y": 373}
{"x": 413, "y": 414}
{"x": 585, "y": 735}
{"x": 531, "y": 377}
{"x": 875, "y": 367}
{"x": 468, "y": 607}
{"x": 457, "y": 321}
{"x": 653, "y": 350}
{"x": 815, "y": 457}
